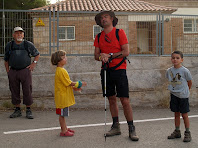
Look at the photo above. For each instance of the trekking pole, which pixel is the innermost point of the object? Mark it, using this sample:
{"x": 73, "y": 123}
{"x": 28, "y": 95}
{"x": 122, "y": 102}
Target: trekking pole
{"x": 105, "y": 92}
{"x": 105, "y": 89}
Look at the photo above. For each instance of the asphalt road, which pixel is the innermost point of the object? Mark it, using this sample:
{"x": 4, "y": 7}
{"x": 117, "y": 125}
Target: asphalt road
{"x": 152, "y": 126}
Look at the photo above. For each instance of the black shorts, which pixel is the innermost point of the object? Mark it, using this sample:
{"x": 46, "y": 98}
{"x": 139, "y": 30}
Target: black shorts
{"x": 179, "y": 104}
{"x": 116, "y": 83}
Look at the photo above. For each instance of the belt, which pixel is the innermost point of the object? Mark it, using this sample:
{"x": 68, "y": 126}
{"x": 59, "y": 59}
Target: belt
{"x": 16, "y": 68}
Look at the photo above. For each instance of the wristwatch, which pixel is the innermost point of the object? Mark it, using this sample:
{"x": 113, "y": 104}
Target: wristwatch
{"x": 111, "y": 54}
{"x": 35, "y": 62}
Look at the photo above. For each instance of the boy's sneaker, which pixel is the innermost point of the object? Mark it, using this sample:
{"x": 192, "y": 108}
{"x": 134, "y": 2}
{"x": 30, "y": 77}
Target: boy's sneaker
{"x": 187, "y": 136}
{"x": 29, "y": 114}
{"x": 132, "y": 133}
{"x": 17, "y": 113}
{"x": 175, "y": 134}
{"x": 115, "y": 130}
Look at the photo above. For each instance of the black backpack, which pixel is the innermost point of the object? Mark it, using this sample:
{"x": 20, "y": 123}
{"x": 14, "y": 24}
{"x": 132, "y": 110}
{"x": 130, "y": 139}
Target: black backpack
{"x": 23, "y": 58}
{"x": 25, "y": 46}
{"x": 117, "y": 36}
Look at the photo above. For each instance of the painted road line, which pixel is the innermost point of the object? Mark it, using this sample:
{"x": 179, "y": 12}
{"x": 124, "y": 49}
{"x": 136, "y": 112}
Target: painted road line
{"x": 91, "y": 125}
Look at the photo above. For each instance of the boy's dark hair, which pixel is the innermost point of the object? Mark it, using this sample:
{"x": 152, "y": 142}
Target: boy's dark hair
{"x": 177, "y": 52}
{"x": 56, "y": 57}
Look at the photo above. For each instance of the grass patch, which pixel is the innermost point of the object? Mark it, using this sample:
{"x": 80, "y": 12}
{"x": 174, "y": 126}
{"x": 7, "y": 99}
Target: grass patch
{"x": 7, "y": 105}
{"x": 165, "y": 102}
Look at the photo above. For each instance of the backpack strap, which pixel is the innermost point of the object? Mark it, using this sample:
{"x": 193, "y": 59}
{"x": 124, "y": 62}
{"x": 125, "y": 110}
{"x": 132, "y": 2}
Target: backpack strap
{"x": 26, "y": 46}
{"x": 113, "y": 68}
{"x": 117, "y": 35}
{"x": 11, "y": 46}
{"x": 99, "y": 36}
{"x": 125, "y": 58}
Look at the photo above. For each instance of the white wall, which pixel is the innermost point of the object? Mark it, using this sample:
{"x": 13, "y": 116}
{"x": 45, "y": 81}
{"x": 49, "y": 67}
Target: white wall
{"x": 187, "y": 11}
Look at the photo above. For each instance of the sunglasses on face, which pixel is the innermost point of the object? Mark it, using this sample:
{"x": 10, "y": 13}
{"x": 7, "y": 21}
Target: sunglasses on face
{"x": 107, "y": 39}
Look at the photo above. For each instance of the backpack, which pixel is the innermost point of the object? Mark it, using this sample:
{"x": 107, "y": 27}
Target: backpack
{"x": 25, "y": 46}
{"x": 23, "y": 58}
{"x": 117, "y": 36}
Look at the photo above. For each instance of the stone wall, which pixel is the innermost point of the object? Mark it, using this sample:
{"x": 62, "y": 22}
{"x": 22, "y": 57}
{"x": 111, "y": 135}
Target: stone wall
{"x": 147, "y": 83}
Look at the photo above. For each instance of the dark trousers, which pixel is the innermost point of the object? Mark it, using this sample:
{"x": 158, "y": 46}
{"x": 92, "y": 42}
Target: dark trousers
{"x": 23, "y": 77}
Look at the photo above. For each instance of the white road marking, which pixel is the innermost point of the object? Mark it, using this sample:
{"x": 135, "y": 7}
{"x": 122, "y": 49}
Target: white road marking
{"x": 91, "y": 125}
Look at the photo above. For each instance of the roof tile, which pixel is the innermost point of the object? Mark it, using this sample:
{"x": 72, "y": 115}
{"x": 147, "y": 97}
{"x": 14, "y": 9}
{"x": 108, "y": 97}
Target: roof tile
{"x": 98, "y": 5}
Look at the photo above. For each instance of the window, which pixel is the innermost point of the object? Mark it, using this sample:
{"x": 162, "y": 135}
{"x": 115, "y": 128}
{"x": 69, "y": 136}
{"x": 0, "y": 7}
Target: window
{"x": 66, "y": 32}
{"x": 96, "y": 29}
{"x": 190, "y": 25}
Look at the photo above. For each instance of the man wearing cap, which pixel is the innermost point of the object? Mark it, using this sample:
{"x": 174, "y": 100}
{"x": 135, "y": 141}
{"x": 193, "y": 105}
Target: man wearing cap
{"x": 107, "y": 46}
{"x": 19, "y": 68}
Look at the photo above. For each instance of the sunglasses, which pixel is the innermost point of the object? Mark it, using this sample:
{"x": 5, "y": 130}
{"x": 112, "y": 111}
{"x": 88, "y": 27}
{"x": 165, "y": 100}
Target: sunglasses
{"x": 107, "y": 39}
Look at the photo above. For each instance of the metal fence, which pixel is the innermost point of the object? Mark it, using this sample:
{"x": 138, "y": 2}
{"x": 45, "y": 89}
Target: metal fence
{"x": 27, "y": 20}
{"x": 148, "y": 33}
{"x": 180, "y": 32}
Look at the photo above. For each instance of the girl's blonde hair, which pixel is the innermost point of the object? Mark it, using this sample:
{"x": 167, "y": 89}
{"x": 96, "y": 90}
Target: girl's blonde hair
{"x": 56, "y": 57}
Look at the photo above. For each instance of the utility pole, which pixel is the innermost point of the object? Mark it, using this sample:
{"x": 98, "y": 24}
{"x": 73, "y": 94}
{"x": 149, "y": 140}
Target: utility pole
{"x": 3, "y": 27}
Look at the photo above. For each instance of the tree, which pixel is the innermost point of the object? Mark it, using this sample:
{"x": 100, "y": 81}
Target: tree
{"x": 19, "y": 18}
{"x": 23, "y": 4}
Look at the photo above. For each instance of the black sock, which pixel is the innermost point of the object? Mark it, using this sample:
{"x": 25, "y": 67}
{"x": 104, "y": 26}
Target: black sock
{"x": 130, "y": 122}
{"x": 27, "y": 107}
{"x": 115, "y": 120}
{"x": 18, "y": 108}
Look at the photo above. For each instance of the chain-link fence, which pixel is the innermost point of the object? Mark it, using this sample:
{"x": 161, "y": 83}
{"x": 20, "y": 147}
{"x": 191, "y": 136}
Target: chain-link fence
{"x": 74, "y": 32}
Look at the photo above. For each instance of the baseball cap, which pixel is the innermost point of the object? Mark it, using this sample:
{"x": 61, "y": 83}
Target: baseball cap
{"x": 18, "y": 29}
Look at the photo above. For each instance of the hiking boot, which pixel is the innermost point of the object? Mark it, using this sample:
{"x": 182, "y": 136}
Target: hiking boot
{"x": 17, "y": 113}
{"x": 187, "y": 136}
{"x": 132, "y": 133}
{"x": 115, "y": 130}
{"x": 175, "y": 134}
{"x": 29, "y": 114}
